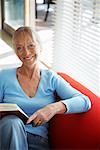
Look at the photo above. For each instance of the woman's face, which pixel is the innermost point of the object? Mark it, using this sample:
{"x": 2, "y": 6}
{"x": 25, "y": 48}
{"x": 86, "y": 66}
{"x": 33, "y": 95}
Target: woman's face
{"x": 26, "y": 49}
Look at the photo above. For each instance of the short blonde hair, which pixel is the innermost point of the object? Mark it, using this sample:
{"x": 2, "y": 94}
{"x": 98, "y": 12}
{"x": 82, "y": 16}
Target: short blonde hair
{"x": 30, "y": 31}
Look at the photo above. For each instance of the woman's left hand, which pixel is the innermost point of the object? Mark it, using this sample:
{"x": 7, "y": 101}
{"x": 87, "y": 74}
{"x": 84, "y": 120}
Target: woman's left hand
{"x": 45, "y": 114}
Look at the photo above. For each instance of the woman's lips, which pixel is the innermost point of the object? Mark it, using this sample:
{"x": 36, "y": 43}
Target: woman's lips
{"x": 28, "y": 58}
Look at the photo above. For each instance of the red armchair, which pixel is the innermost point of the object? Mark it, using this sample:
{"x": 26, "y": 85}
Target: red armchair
{"x": 77, "y": 131}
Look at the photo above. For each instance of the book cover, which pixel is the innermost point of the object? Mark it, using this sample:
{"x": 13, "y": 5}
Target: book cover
{"x": 12, "y": 109}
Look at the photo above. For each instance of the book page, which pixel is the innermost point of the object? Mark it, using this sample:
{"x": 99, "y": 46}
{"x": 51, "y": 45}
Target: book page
{"x": 12, "y": 109}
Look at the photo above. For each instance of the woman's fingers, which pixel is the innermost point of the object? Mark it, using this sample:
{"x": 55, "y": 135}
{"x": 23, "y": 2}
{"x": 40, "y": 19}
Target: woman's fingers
{"x": 34, "y": 119}
{"x": 31, "y": 118}
{"x": 37, "y": 123}
{"x": 42, "y": 115}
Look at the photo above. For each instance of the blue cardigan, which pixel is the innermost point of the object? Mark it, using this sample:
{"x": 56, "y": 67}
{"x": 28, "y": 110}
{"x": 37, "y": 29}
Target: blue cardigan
{"x": 50, "y": 82}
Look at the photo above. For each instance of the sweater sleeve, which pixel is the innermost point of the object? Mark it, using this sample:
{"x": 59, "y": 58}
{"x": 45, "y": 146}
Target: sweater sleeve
{"x": 75, "y": 101}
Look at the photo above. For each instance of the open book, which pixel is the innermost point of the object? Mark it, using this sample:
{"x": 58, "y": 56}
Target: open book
{"x": 12, "y": 109}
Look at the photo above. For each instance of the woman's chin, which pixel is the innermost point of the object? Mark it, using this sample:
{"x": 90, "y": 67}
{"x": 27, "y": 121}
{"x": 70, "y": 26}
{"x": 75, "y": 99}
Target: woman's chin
{"x": 30, "y": 64}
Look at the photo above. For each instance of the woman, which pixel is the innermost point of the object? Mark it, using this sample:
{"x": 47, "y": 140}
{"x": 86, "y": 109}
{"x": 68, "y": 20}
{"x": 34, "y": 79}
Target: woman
{"x": 33, "y": 89}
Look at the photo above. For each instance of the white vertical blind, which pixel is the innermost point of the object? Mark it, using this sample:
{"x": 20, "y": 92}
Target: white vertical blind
{"x": 46, "y": 40}
{"x": 77, "y": 41}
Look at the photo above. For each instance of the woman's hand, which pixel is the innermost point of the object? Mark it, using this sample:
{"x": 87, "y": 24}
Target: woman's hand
{"x": 45, "y": 114}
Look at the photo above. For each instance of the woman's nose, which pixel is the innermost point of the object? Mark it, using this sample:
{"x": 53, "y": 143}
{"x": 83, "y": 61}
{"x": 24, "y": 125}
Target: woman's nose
{"x": 26, "y": 51}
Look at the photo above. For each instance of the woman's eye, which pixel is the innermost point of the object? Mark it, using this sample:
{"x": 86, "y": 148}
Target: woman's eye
{"x": 19, "y": 48}
{"x": 31, "y": 46}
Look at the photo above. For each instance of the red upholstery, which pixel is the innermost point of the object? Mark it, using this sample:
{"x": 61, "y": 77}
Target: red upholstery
{"x": 77, "y": 131}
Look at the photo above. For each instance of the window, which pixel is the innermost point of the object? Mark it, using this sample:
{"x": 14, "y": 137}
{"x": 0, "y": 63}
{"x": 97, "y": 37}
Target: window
{"x": 8, "y": 58}
{"x": 77, "y": 41}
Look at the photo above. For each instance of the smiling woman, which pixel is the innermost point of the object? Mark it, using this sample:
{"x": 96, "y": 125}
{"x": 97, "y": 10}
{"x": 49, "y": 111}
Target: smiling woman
{"x": 26, "y": 47}
{"x": 28, "y": 50}
{"x": 33, "y": 90}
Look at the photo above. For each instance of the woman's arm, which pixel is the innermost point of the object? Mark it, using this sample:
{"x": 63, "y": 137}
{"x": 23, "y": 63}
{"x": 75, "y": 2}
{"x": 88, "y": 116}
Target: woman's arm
{"x": 72, "y": 101}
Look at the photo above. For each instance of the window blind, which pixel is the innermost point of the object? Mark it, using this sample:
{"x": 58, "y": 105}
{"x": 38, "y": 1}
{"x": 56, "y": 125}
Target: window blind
{"x": 46, "y": 41}
{"x": 77, "y": 41}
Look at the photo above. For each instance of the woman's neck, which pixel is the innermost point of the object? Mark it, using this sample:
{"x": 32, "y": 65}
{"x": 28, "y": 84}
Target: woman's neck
{"x": 30, "y": 73}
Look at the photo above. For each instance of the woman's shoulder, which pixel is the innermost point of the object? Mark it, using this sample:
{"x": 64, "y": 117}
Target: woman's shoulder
{"x": 6, "y": 72}
{"x": 49, "y": 73}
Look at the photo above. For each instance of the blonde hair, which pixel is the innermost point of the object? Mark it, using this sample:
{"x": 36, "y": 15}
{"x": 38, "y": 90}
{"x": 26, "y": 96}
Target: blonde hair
{"x": 28, "y": 30}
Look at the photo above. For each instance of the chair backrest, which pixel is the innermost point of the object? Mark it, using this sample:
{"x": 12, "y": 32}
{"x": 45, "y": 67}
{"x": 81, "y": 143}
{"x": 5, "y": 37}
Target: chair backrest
{"x": 80, "y": 131}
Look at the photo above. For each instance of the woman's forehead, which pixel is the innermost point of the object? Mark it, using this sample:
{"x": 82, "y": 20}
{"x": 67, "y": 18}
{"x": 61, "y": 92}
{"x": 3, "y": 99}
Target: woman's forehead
{"x": 24, "y": 36}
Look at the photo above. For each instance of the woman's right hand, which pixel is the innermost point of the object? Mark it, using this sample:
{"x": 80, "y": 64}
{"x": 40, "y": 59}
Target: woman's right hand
{"x": 43, "y": 115}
